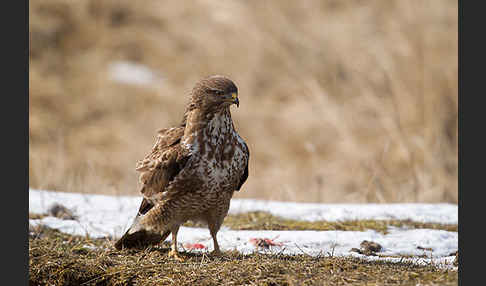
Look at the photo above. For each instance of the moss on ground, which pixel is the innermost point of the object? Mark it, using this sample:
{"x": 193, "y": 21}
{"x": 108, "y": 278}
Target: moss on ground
{"x": 60, "y": 259}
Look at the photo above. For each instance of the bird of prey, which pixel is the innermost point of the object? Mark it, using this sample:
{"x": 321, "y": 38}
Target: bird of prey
{"x": 193, "y": 169}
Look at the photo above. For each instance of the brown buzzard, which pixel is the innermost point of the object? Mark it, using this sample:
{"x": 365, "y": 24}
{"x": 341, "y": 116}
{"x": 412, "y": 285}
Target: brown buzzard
{"x": 193, "y": 169}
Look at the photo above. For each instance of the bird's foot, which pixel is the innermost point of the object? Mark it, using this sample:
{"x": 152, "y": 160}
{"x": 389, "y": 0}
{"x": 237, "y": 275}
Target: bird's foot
{"x": 175, "y": 254}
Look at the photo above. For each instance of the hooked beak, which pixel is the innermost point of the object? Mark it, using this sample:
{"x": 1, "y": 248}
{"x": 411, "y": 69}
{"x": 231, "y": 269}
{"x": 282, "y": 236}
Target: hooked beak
{"x": 236, "y": 101}
{"x": 233, "y": 98}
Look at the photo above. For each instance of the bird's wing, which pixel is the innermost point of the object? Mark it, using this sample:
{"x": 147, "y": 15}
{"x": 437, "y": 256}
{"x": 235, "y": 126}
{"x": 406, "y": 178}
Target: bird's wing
{"x": 166, "y": 138}
{"x": 158, "y": 169}
{"x": 243, "y": 178}
{"x": 161, "y": 165}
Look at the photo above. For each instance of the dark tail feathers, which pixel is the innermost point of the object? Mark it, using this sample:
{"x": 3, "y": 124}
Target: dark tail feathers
{"x": 140, "y": 239}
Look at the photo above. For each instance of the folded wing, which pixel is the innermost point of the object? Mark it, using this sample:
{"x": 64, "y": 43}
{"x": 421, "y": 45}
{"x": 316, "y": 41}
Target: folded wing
{"x": 158, "y": 169}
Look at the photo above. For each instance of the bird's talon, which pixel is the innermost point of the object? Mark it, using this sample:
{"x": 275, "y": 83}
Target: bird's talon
{"x": 175, "y": 254}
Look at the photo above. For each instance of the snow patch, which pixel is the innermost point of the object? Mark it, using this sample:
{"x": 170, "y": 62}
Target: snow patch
{"x": 132, "y": 73}
{"x": 103, "y": 215}
{"x": 418, "y": 212}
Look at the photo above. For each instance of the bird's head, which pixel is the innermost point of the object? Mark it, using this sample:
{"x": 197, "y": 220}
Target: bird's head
{"x": 215, "y": 92}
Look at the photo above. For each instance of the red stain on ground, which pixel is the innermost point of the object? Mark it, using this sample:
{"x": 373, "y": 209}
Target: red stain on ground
{"x": 265, "y": 242}
{"x": 191, "y": 246}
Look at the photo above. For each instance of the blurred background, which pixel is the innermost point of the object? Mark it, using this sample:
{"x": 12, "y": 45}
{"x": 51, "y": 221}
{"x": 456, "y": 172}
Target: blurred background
{"x": 340, "y": 101}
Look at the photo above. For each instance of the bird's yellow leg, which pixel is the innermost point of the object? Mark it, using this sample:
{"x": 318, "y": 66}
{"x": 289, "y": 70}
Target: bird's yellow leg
{"x": 216, "y": 251}
{"x": 173, "y": 252}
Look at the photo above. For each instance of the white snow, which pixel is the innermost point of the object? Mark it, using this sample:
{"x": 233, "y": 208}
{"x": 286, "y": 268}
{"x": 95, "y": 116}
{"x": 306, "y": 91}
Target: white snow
{"x": 132, "y": 73}
{"x": 102, "y": 215}
{"x": 98, "y": 215}
{"x": 434, "y": 213}
{"x": 398, "y": 242}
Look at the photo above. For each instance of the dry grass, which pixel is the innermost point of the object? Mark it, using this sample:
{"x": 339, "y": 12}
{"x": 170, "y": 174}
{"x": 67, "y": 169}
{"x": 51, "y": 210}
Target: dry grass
{"x": 60, "y": 259}
{"x": 341, "y": 101}
{"x": 267, "y": 221}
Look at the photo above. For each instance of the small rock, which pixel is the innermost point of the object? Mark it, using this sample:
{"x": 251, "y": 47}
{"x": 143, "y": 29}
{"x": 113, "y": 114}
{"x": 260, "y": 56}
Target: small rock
{"x": 368, "y": 248}
{"x": 60, "y": 211}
